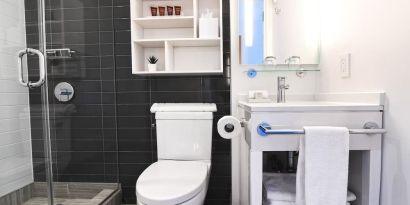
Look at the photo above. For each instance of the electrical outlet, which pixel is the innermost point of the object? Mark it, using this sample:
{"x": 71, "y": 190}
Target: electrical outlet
{"x": 345, "y": 67}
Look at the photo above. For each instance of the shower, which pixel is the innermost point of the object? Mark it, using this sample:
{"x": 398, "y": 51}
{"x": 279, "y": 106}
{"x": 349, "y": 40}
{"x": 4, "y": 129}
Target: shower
{"x": 56, "y": 150}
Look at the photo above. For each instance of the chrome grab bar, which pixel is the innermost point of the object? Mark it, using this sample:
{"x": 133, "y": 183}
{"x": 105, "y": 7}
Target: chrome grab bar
{"x": 370, "y": 128}
{"x": 41, "y": 64}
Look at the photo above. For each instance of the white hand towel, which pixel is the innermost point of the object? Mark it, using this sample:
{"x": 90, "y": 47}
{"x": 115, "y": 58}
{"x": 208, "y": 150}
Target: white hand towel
{"x": 323, "y": 166}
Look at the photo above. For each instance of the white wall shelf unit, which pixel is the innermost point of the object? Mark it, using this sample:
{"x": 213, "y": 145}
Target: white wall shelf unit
{"x": 175, "y": 40}
{"x": 165, "y": 22}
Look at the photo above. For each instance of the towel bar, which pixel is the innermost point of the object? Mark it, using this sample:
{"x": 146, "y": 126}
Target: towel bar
{"x": 370, "y": 128}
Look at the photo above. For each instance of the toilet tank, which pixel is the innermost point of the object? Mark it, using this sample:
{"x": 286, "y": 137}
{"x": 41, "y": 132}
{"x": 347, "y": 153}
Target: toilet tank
{"x": 184, "y": 130}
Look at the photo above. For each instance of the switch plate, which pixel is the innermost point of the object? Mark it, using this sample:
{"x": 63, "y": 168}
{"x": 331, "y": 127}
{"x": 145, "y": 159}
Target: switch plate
{"x": 345, "y": 66}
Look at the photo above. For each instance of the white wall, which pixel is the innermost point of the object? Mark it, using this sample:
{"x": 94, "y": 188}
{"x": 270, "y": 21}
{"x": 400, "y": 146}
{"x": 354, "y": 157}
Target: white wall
{"x": 241, "y": 84}
{"x": 377, "y": 34}
{"x": 15, "y": 144}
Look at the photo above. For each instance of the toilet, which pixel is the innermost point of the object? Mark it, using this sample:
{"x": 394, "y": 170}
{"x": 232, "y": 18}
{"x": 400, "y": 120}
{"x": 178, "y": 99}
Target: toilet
{"x": 184, "y": 142}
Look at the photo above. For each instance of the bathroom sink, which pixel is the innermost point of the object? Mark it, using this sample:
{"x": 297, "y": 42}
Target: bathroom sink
{"x": 341, "y": 110}
{"x": 278, "y": 127}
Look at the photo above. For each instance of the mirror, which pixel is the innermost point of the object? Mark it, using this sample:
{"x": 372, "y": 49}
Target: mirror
{"x": 279, "y": 32}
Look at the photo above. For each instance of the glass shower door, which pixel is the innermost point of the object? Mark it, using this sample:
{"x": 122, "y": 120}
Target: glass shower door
{"x": 57, "y": 147}
{"x": 81, "y": 84}
{"x": 33, "y": 74}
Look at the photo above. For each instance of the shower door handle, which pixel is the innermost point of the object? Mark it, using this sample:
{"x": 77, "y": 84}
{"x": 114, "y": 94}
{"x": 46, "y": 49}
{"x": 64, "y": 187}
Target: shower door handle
{"x": 41, "y": 66}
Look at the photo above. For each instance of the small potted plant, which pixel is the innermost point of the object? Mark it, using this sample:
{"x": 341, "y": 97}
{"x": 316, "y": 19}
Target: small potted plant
{"x": 152, "y": 63}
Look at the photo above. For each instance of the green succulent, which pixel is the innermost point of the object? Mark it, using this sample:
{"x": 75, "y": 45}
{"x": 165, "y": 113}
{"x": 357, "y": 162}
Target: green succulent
{"x": 152, "y": 60}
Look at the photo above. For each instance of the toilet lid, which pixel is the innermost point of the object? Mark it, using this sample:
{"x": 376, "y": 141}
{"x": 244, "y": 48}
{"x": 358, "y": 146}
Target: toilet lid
{"x": 171, "y": 182}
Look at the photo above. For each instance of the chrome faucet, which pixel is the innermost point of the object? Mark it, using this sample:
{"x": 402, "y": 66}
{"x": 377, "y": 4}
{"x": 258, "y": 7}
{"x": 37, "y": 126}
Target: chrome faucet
{"x": 282, "y": 87}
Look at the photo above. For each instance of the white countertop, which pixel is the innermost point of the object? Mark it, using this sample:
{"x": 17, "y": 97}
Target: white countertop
{"x": 299, "y": 106}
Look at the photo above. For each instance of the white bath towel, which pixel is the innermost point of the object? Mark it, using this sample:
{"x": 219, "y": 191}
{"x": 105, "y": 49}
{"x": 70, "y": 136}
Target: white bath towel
{"x": 282, "y": 187}
{"x": 323, "y": 166}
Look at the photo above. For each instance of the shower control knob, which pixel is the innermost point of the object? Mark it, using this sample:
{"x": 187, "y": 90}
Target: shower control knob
{"x": 64, "y": 92}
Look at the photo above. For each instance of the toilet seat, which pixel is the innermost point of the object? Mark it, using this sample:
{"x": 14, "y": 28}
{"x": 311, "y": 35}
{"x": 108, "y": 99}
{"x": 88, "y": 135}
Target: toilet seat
{"x": 169, "y": 182}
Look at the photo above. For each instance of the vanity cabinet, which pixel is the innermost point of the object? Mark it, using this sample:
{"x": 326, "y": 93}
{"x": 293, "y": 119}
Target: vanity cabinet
{"x": 365, "y": 156}
{"x": 174, "y": 39}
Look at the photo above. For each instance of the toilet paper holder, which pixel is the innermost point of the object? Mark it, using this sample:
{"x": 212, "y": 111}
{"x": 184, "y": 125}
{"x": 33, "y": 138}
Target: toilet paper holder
{"x": 229, "y": 127}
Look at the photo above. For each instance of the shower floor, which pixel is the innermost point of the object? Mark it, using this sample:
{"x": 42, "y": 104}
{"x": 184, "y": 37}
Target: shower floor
{"x": 44, "y": 201}
{"x": 98, "y": 199}
{"x": 66, "y": 194}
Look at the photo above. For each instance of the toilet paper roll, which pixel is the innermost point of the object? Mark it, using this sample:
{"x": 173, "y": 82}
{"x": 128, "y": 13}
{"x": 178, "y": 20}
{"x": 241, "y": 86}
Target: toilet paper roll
{"x": 229, "y": 127}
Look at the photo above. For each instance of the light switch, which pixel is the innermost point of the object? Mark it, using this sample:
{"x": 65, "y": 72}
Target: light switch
{"x": 345, "y": 66}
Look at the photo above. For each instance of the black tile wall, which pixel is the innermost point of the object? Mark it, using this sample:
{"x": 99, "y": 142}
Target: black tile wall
{"x": 104, "y": 134}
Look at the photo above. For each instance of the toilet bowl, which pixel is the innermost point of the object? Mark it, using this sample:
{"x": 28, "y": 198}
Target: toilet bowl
{"x": 173, "y": 182}
{"x": 184, "y": 142}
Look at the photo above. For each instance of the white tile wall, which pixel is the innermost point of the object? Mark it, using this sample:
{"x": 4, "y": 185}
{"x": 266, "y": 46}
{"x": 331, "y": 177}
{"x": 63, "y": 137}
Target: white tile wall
{"x": 16, "y": 168}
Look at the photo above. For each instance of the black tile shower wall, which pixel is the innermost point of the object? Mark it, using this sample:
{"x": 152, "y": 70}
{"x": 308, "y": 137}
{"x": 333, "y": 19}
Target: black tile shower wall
{"x": 83, "y": 131}
{"x": 104, "y": 134}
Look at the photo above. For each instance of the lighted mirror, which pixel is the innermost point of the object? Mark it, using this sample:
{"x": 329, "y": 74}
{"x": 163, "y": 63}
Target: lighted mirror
{"x": 279, "y": 32}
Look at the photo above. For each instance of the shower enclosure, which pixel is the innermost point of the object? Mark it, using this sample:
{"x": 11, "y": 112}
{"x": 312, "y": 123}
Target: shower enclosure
{"x": 58, "y": 122}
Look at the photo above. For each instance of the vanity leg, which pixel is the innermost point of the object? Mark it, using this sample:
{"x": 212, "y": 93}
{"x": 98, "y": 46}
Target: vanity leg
{"x": 256, "y": 177}
{"x": 372, "y": 171}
